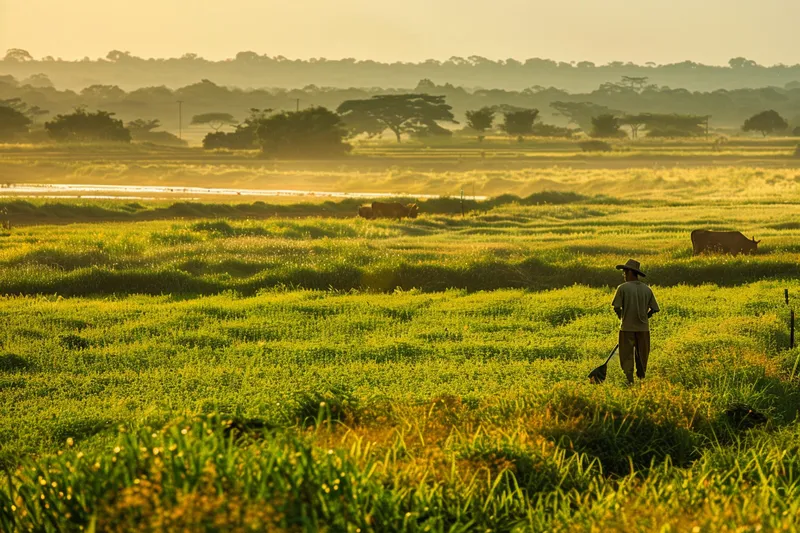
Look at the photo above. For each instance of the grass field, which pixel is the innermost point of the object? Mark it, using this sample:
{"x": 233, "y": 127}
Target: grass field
{"x": 286, "y": 367}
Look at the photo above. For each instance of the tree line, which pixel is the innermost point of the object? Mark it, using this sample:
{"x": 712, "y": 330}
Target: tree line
{"x": 250, "y": 69}
{"x": 320, "y": 132}
{"x": 631, "y": 96}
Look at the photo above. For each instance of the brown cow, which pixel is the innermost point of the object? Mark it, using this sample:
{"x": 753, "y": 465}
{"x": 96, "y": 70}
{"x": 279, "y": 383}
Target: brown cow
{"x": 365, "y": 211}
{"x": 394, "y": 210}
{"x": 728, "y": 242}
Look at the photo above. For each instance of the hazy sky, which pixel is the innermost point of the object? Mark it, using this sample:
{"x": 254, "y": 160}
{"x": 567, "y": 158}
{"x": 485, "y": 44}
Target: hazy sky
{"x": 708, "y": 31}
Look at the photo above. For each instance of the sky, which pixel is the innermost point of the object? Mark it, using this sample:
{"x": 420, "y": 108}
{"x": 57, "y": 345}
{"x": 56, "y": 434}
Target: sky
{"x": 662, "y": 31}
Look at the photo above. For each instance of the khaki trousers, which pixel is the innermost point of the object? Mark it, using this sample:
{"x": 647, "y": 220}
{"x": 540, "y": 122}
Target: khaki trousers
{"x": 634, "y": 347}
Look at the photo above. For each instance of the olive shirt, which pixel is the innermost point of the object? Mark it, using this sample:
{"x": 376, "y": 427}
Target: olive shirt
{"x": 636, "y": 300}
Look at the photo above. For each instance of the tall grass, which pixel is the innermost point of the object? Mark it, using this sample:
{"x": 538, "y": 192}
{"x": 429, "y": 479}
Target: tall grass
{"x": 343, "y": 374}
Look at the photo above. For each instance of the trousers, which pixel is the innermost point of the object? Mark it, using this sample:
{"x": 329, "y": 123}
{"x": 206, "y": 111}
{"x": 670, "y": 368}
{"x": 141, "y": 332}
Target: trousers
{"x": 634, "y": 348}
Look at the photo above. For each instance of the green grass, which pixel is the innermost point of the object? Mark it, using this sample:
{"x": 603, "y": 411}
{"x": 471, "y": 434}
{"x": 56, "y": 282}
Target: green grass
{"x": 511, "y": 246}
{"x": 475, "y": 406}
{"x": 185, "y": 366}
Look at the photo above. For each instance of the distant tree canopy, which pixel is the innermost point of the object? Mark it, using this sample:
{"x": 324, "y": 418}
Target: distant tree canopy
{"x": 103, "y": 93}
{"x": 142, "y": 130}
{"x": 634, "y": 82}
{"x": 28, "y": 110}
{"x": 549, "y": 130}
{"x": 12, "y": 123}
{"x": 480, "y": 120}
{"x": 17, "y": 55}
{"x": 606, "y": 125}
{"x": 766, "y": 122}
{"x": 415, "y": 114}
{"x": 519, "y": 123}
{"x": 244, "y": 137}
{"x": 310, "y": 133}
{"x": 214, "y": 120}
{"x": 664, "y": 125}
{"x": 581, "y": 113}
{"x": 675, "y": 125}
{"x": 252, "y": 69}
{"x": 81, "y": 126}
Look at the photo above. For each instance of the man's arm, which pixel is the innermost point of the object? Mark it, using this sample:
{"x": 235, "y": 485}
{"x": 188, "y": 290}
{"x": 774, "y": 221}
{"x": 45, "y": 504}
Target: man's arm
{"x": 654, "y": 308}
{"x": 617, "y": 303}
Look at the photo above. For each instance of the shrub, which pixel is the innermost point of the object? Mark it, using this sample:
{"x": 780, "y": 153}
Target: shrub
{"x": 595, "y": 146}
{"x": 313, "y": 132}
{"x": 241, "y": 139}
{"x": 549, "y": 130}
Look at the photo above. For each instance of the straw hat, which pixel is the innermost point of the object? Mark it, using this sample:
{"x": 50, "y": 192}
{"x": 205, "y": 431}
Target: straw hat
{"x": 633, "y": 266}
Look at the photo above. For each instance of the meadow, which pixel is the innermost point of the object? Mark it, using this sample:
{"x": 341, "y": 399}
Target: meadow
{"x": 175, "y": 365}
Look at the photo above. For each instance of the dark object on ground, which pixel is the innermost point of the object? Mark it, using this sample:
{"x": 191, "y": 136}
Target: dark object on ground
{"x": 728, "y": 242}
{"x": 595, "y": 146}
{"x": 743, "y": 416}
{"x": 598, "y": 375}
{"x": 394, "y": 210}
{"x": 365, "y": 211}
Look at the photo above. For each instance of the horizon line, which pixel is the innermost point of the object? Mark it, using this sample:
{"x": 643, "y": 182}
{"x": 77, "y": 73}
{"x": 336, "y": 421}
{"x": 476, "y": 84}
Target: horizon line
{"x": 467, "y": 60}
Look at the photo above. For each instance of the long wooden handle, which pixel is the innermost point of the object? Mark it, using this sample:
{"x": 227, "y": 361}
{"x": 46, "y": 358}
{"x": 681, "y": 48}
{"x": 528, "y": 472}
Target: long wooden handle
{"x": 612, "y": 354}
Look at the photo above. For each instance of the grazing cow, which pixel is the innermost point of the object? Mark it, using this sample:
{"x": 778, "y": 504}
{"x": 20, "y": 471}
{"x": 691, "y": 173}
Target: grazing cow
{"x": 365, "y": 211}
{"x": 394, "y": 210}
{"x": 728, "y": 242}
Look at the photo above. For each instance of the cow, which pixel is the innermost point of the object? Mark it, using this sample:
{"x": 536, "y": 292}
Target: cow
{"x": 394, "y": 210}
{"x": 365, "y": 211}
{"x": 728, "y": 242}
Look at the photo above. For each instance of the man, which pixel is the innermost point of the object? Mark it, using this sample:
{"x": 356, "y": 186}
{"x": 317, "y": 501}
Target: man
{"x": 634, "y": 304}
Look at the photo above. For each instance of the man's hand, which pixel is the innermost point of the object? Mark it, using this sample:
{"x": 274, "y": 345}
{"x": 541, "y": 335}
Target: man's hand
{"x": 650, "y": 313}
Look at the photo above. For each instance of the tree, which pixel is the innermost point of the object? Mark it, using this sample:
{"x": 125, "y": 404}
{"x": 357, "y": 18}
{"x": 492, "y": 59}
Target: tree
{"x": 81, "y": 126}
{"x": 142, "y": 130}
{"x": 549, "y": 130}
{"x": 141, "y": 125}
{"x": 117, "y": 55}
{"x": 766, "y": 122}
{"x": 606, "y": 125}
{"x": 581, "y": 113}
{"x": 313, "y": 132}
{"x": 214, "y": 120}
{"x": 12, "y": 123}
{"x": 519, "y": 123}
{"x": 741, "y": 62}
{"x": 244, "y": 137}
{"x": 15, "y": 103}
{"x": 17, "y": 55}
{"x": 39, "y": 81}
{"x": 634, "y": 122}
{"x": 29, "y": 111}
{"x": 35, "y": 111}
{"x": 401, "y": 113}
{"x": 635, "y": 83}
{"x": 480, "y": 120}
{"x": 675, "y": 125}
{"x": 103, "y": 92}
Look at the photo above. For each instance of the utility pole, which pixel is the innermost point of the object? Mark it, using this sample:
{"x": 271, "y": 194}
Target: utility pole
{"x": 180, "y": 119}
